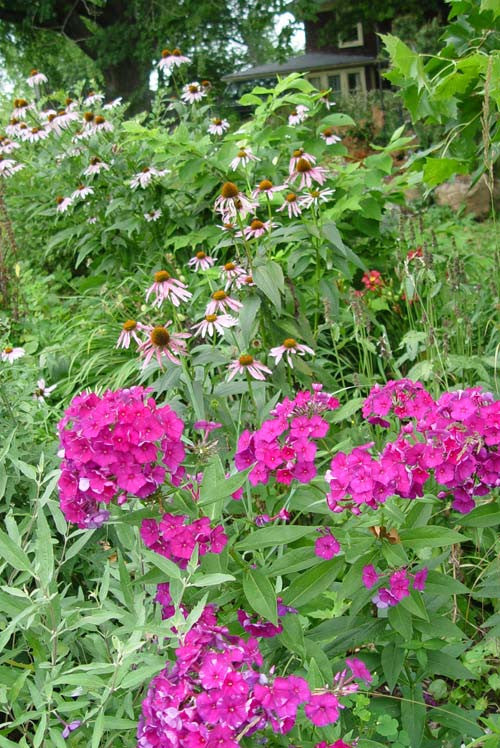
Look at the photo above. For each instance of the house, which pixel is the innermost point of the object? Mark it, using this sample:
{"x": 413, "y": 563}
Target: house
{"x": 345, "y": 63}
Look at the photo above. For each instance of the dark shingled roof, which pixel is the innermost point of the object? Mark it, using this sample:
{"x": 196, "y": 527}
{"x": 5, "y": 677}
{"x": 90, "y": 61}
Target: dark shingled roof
{"x": 308, "y": 62}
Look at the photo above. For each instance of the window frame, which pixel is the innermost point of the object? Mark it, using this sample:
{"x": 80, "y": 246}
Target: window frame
{"x": 358, "y": 42}
{"x": 344, "y": 79}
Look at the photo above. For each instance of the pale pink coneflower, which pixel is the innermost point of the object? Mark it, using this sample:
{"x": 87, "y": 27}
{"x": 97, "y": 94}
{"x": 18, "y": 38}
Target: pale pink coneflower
{"x": 325, "y": 99}
{"x": 101, "y": 124}
{"x": 129, "y": 333}
{"x": 243, "y": 157}
{"x": 296, "y": 155}
{"x": 218, "y": 126}
{"x": 92, "y": 220}
{"x": 256, "y": 229}
{"x": 7, "y": 145}
{"x": 36, "y": 134}
{"x": 95, "y": 166}
{"x": 231, "y": 203}
{"x": 153, "y": 215}
{"x": 166, "y": 288}
{"x": 315, "y": 197}
{"x": 161, "y": 342}
{"x": 298, "y": 115}
{"x": 289, "y": 348}
{"x": 63, "y": 203}
{"x": 231, "y": 273}
{"x": 36, "y": 78}
{"x": 8, "y": 166}
{"x": 292, "y": 204}
{"x": 42, "y": 391}
{"x": 266, "y": 187}
{"x": 201, "y": 261}
{"x": 193, "y": 92}
{"x": 46, "y": 113}
{"x": 246, "y": 363}
{"x": 12, "y": 129}
{"x": 171, "y": 59}
{"x": 220, "y": 302}
{"x": 21, "y": 108}
{"x": 308, "y": 173}
{"x": 93, "y": 98}
{"x": 329, "y": 136}
{"x": 143, "y": 178}
{"x": 62, "y": 120}
{"x": 213, "y": 323}
{"x": 113, "y": 104}
{"x": 82, "y": 191}
{"x": 228, "y": 227}
{"x": 12, "y": 354}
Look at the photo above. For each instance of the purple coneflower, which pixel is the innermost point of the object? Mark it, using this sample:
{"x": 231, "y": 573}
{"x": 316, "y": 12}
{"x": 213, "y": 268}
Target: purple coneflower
{"x": 36, "y": 134}
{"x": 11, "y": 354}
{"x": 292, "y": 204}
{"x": 231, "y": 272}
{"x": 129, "y": 333}
{"x": 36, "y": 78}
{"x": 161, "y": 342}
{"x": 63, "y": 203}
{"x": 220, "y": 302}
{"x": 153, "y": 215}
{"x": 247, "y": 363}
{"x": 82, "y": 191}
{"x": 92, "y": 98}
{"x": 266, "y": 187}
{"x": 298, "y": 115}
{"x": 7, "y": 145}
{"x": 213, "y": 323}
{"x": 143, "y": 178}
{"x": 113, "y": 104}
{"x": 42, "y": 391}
{"x": 166, "y": 288}
{"x": 231, "y": 202}
{"x": 256, "y": 229}
{"x": 193, "y": 92}
{"x": 95, "y": 166}
{"x": 289, "y": 348}
{"x": 243, "y": 157}
{"x": 171, "y": 60}
{"x": 296, "y": 155}
{"x": 315, "y": 197}
{"x": 218, "y": 126}
{"x": 8, "y": 166}
{"x": 329, "y": 136}
{"x": 21, "y": 108}
{"x": 201, "y": 261}
{"x": 308, "y": 173}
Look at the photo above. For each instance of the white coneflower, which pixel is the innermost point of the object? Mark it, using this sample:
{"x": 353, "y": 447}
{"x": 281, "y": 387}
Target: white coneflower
{"x": 81, "y": 192}
{"x": 213, "y": 323}
{"x": 218, "y": 126}
{"x": 36, "y": 78}
{"x": 315, "y": 197}
{"x": 153, "y": 215}
{"x": 298, "y": 115}
{"x": 36, "y": 134}
{"x": 193, "y": 92}
{"x": 243, "y": 157}
{"x": 329, "y": 136}
{"x": 95, "y": 166}
{"x": 93, "y": 98}
{"x": 113, "y": 104}
{"x": 8, "y": 166}
{"x": 143, "y": 178}
{"x": 63, "y": 203}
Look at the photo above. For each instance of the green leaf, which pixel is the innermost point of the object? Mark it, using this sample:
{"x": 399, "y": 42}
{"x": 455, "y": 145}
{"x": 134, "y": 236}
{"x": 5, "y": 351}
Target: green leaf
{"x": 348, "y": 410}
{"x": 248, "y": 318}
{"x": 438, "y": 170}
{"x": 431, "y": 536}
{"x": 392, "y": 660}
{"x": 44, "y": 551}
{"x": 215, "y": 487}
{"x": 440, "y": 663}
{"x": 269, "y": 279}
{"x": 462, "y": 721}
{"x": 165, "y": 565}
{"x": 14, "y": 555}
{"x": 210, "y": 580}
{"x": 98, "y": 730}
{"x": 400, "y": 620}
{"x": 260, "y": 594}
{"x": 413, "y": 713}
{"x": 487, "y": 515}
{"x": 312, "y": 583}
{"x": 266, "y": 537}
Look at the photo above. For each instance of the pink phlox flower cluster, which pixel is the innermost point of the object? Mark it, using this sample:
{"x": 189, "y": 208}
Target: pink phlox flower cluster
{"x": 118, "y": 444}
{"x": 284, "y": 446}
{"x": 175, "y": 537}
{"x": 454, "y": 439}
{"x": 216, "y": 692}
{"x": 399, "y": 584}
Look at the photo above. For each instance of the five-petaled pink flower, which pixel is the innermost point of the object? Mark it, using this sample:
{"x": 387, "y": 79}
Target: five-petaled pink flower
{"x": 322, "y": 709}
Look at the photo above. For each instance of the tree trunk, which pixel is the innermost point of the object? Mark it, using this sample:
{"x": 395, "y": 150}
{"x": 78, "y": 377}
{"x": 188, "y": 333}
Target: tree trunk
{"x": 130, "y": 80}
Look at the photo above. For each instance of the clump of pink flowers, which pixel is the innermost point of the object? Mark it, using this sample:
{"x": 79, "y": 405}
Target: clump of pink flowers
{"x": 399, "y": 584}
{"x": 114, "y": 446}
{"x": 284, "y": 446}
{"x": 176, "y": 538}
{"x": 453, "y": 439}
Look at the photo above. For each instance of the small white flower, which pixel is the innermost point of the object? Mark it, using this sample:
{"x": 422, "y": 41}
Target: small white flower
{"x": 36, "y": 79}
{"x": 113, "y": 104}
{"x": 82, "y": 192}
{"x": 153, "y": 215}
{"x": 143, "y": 178}
{"x": 11, "y": 354}
{"x": 93, "y": 98}
{"x": 193, "y": 92}
{"x": 42, "y": 391}
{"x": 218, "y": 126}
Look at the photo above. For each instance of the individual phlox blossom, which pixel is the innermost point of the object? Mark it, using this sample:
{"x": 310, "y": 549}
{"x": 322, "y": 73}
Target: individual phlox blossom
{"x": 359, "y": 669}
{"x": 9, "y": 166}
{"x": 113, "y": 104}
{"x": 81, "y": 192}
{"x": 171, "y": 59}
{"x": 163, "y": 343}
{"x": 292, "y": 205}
{"x": 296, "y": 155}
{"x": 42, "y": 391}
{"x": 153, "y": 215}
{"x": 258, "y": 627}
{"x": 420, "y": 579}
{"x": 36, "y": 78}
{"x": 415, "y": 254}
{"x": 264, "y": 519}
{"x": 128, "y": 333}
{"x": 247, "y": 363}
{"x": 63, "y": 203}
{"x": 118, "y": 444}
{"x": 221, "y": 302}
{"x": 243, "y": 158}
{"x": 298, "y": 115}
{"x": 369, "y": 576}
{"x": 231, "y": 203}
{"x": 326, "y": 546}
{"x": 92, "y": 98}
{"x": 70, "y": 727}
{"x": 35, "y": 134}
{"x": 266, "y": 187}
{"x": 288, "y": 349}
{"x": 7, "y": 145}
{"x": 329, "y": 136}
{"x": 338, "y": 744}
{"x": 175, "y": 538}
{"x": 315, "y": 197}
{"x": 95, "y": 167}
{"x": 166, "y": 288}
{"x": 256, "y": 229}
{"x": 231, "y": 273}
{"x": 193, "y": 92}
{"x": 308, "y": 173}
{"x": 213, "y": 323}
{"x": 218, "y": 126}
{"x": 372, "y": 280}
{"x": 21, "y": 108}
{"x": 323, "y": 709}
{"x": 201, "y": 261}
{"x": 143, "y": 178}
{"x": 11, "y": 354}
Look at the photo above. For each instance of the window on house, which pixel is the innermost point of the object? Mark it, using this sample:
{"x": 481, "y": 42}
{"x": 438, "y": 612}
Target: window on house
{"x": 354, "y": 82}
{"x": 334, "y": 83}
{"x": 315, "y": 80}
{"x": 352, "y": 37}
